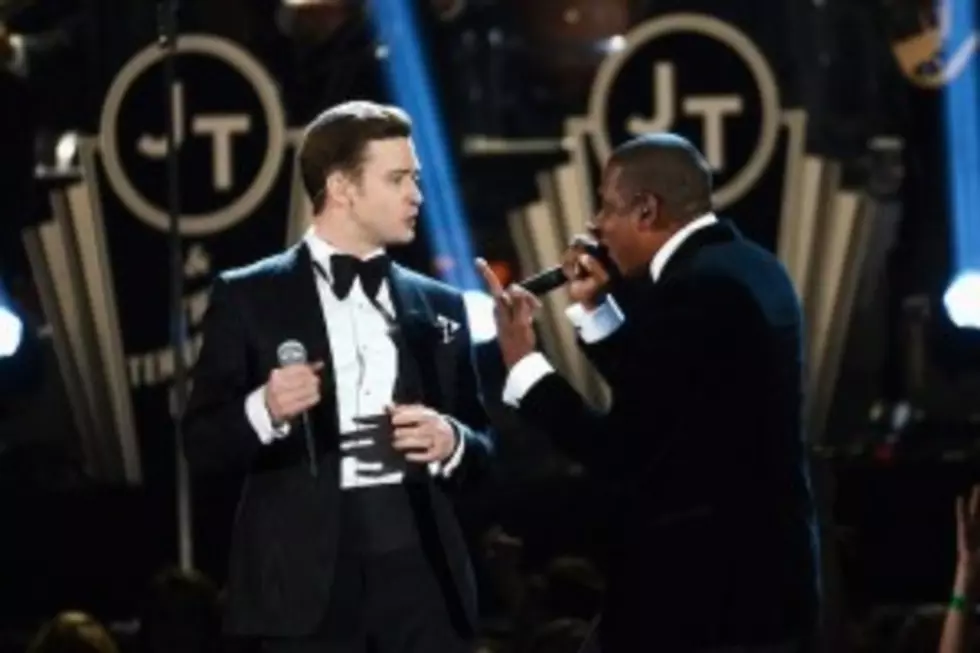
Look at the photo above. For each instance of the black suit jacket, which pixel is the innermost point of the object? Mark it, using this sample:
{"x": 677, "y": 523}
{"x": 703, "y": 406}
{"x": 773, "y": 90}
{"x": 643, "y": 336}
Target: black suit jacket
{"x": 711, "y": 531}
{"x": 286, "y": 530}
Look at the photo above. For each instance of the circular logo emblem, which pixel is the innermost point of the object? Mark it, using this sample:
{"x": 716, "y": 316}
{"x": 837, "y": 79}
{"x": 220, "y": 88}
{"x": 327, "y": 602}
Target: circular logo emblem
{"x": 700, "y": 77}
{"x": 229, "y": 130}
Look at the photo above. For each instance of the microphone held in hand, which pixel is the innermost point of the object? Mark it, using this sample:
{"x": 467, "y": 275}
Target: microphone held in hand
{"x": 544, "y": 282}
{"x": 292, "y": 352}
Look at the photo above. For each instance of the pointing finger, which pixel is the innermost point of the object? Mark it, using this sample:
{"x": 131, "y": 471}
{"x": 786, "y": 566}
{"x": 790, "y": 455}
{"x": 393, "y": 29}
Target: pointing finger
{"x": 493, "y": 283}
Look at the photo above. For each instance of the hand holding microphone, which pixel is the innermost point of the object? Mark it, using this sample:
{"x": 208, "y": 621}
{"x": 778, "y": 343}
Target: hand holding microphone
{"x": 583, "y": 268}
{"x": 291, "y": 390}
{"x": 584, "y": 265}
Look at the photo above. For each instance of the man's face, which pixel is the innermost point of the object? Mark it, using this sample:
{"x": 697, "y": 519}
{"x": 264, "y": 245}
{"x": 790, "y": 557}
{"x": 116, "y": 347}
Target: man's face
{"x": 385, "y": 204}
{"x": 621, "y": 225}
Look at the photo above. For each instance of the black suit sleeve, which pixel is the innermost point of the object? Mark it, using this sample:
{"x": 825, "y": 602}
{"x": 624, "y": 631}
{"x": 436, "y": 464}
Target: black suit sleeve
{"x": 217, "y": 433}
{"x": 554, "y": 407}
{"x": 611, "y": 356}
{"x": 469, "y": 419}
{"x": 666, "y": 354}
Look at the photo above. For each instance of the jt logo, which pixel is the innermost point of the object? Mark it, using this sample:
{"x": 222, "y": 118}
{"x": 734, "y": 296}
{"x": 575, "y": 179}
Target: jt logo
{"x": 220, "y": 127}
{"x": 725, "y": 97}
{"x": 711, "y": 109}
{"x": 217, "y": 124}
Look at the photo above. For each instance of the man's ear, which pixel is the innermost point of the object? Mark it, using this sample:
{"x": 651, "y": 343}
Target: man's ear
{"x": 337, "y": 185}
{"x": 649, "y": 210}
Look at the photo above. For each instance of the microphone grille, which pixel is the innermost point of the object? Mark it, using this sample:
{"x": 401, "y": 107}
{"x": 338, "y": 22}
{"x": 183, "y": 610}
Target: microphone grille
{"x": 291, "y": 352}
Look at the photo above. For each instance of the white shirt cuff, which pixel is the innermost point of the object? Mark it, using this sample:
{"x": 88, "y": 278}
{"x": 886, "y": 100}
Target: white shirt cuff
{"x": 18, "y": 60}
{"x": 597, "y": 324}
{"x": 522, "y": 377}
{"x": 448, "y": 466}
{"x": 261, "y": 421}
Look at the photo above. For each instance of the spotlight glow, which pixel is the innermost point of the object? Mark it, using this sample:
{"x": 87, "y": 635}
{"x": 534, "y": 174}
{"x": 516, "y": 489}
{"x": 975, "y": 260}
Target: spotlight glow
{"x": 479, "y": 315}
{"x": 11, "y": 333}
{"x": 962, "y": 300}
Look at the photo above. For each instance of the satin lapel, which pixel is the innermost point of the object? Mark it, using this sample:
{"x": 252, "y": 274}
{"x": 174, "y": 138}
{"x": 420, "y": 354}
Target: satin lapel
{"x": 300, "y": 317}
{"x": 417, "y": 322}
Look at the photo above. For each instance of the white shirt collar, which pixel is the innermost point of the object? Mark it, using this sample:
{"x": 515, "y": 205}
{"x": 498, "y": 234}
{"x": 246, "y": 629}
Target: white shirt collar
{"x": 674, "y": 242}
{"x": 321, "y": 250}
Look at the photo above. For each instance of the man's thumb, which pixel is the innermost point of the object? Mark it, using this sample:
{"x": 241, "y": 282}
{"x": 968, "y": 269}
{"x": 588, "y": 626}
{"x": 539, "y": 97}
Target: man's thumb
{"x": 590, "y": 264}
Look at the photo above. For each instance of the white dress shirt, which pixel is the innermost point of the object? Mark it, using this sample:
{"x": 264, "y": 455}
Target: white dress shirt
{"x": 365, "y": 367}
{"x": 592, "y": 326}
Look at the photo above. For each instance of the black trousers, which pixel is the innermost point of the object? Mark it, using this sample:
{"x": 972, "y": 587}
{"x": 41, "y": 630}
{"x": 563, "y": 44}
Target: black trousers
{"x": 388, "y": 603}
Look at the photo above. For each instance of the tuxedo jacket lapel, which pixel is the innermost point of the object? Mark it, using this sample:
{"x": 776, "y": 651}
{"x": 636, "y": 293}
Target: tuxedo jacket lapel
{"x": 301, "y": 317}
{"x": 419, "y": 326}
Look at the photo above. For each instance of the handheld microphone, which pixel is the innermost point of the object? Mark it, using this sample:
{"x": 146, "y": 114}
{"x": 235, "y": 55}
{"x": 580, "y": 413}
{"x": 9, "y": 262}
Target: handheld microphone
{"x": 554, "y": 277}
{"x": 292, "y": 352}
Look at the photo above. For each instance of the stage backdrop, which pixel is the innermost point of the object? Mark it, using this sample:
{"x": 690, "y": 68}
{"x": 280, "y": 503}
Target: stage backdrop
{"x": 106, "y": 254}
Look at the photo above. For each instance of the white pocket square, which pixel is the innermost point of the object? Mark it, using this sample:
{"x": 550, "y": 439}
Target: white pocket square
{"x": 447, "y": 327}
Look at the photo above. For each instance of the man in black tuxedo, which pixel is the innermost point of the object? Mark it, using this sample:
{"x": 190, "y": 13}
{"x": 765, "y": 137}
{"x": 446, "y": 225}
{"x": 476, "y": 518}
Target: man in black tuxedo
{"x": 711, "y": 530}
{"x": 345, "y": 538}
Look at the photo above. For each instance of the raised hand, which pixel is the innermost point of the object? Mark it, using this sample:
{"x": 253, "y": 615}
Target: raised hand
{"x": 514, "y": 310}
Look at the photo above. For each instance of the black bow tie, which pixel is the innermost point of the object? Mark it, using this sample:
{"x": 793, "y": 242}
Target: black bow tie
{"x": 346, "y": 268}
